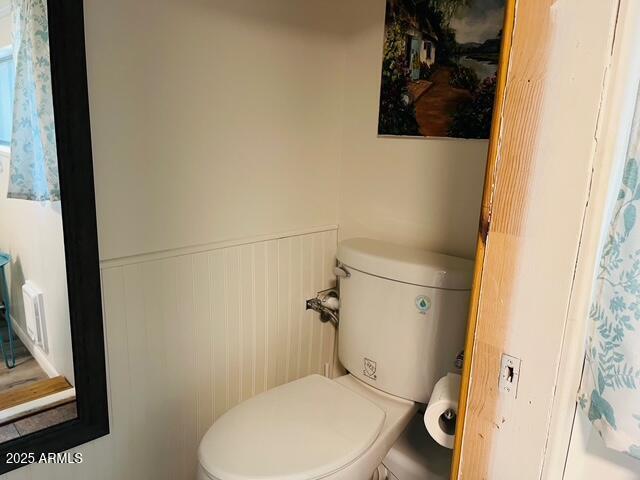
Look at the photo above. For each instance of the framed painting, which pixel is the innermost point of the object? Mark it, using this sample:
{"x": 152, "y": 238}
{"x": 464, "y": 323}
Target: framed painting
{"x": 439, "y": 67}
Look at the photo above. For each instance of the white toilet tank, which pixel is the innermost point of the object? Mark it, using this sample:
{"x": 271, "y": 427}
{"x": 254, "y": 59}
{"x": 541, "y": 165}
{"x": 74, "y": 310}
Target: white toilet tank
{"x": 403, "y": 315}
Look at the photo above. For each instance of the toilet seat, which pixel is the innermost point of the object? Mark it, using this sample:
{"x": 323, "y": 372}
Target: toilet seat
{"x": 303, "y": 430}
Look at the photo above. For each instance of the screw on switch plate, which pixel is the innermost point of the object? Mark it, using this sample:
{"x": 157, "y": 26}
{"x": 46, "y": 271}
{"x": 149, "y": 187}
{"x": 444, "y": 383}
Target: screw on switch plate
{"x": 509, "y": 375}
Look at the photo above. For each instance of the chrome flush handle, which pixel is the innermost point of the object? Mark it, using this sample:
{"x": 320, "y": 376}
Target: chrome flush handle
{"x": 341, "y": 272}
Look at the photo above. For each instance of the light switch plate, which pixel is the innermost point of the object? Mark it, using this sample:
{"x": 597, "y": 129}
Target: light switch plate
{"x": 509, "y": 375}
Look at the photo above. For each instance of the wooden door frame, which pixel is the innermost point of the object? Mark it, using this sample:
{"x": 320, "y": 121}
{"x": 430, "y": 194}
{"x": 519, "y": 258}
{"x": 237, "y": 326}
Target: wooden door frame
{"x": 483, "y": 228}
{"x": 527, "y": 42}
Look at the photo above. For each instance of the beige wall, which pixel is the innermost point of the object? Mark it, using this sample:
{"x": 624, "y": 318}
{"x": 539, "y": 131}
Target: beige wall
{"x": 418, "y": 192}
{"x": 216, "y": 120}
{"x": 231, "y": 141}
{"x": 212, "y": 120}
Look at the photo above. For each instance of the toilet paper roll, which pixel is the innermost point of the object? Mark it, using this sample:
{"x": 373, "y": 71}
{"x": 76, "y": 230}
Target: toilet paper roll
{"x": 442, "y": 410}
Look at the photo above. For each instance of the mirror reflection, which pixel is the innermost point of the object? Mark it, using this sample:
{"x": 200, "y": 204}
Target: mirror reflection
{"x": 36, "y": 365}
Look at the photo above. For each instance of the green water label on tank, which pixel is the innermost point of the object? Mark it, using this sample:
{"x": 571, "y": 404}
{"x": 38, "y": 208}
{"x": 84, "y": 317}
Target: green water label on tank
{"x": 423, "y": 303}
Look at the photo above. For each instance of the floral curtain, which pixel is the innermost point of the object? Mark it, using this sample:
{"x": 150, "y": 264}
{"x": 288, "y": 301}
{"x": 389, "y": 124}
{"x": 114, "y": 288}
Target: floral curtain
{"x": 610, "y": 391}
{"x": 34, "y": 161}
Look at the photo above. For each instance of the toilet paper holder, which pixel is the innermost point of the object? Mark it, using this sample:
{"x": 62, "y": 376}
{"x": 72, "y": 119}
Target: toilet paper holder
{"x": 447, "y": 421}
{"x": 440, "y": 416}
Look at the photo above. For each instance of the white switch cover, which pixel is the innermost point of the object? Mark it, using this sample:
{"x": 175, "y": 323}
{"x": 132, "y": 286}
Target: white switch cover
{"x": 509, "y": 374}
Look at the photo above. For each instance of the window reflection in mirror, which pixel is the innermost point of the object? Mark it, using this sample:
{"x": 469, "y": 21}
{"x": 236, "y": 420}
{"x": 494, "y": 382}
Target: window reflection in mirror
{"x": 36, "y": 365}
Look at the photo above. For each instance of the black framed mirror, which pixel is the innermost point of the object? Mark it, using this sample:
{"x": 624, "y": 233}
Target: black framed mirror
{"x": 75, "y": 206}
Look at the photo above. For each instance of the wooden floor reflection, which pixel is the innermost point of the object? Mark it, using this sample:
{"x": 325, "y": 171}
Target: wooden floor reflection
{"x": 26, "y": 371}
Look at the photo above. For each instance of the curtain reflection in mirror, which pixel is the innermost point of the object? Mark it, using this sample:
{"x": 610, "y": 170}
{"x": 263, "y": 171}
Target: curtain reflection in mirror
{"x": 34, "y": 164}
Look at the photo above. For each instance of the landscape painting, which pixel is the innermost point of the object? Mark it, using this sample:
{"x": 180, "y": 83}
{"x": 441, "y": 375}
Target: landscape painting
{"x": 439, "y": 67}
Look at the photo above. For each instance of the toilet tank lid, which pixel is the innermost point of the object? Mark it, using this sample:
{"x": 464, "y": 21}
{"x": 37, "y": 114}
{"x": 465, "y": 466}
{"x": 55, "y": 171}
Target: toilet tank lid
{"x": 406, "y": 264}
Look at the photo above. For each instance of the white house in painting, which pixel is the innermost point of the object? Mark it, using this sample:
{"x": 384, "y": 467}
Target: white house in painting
{"x": 420, "y": 48}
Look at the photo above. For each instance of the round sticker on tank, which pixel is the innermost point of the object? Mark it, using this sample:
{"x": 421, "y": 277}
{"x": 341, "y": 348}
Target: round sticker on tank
{"x": 423, "y": 304}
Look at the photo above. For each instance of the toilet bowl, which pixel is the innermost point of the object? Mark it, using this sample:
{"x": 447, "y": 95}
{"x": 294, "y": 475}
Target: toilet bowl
{"x": 401, "y": 326}
{"x": 308, "y": 429}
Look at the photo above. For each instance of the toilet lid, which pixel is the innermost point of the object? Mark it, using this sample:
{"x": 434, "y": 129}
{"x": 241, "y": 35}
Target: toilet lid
{"x": 302, "y": 430}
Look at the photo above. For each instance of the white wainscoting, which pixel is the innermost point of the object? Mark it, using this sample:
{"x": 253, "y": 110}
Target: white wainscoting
{"x": 189, "y": 335}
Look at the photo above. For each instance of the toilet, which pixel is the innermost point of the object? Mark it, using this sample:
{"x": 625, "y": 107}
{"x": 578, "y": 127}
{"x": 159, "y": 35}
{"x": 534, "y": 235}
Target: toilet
{"x": 402, "y": 324}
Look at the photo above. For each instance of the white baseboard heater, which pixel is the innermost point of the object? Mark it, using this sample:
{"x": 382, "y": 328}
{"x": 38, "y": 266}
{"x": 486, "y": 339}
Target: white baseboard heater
{"x": 34, "y": 314}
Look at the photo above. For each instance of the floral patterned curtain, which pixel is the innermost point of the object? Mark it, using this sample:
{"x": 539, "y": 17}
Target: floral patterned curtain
{"x": 610, "y": 391}
{"x": 34, "y": 161}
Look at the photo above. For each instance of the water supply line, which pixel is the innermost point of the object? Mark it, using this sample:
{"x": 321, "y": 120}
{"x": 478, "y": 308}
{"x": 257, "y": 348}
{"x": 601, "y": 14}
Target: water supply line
{"x": 327, "y": 304}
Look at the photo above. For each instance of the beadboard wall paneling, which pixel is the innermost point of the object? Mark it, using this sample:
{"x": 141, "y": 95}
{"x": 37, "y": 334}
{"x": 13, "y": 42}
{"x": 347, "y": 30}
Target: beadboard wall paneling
{"x": 190, "y": 336}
